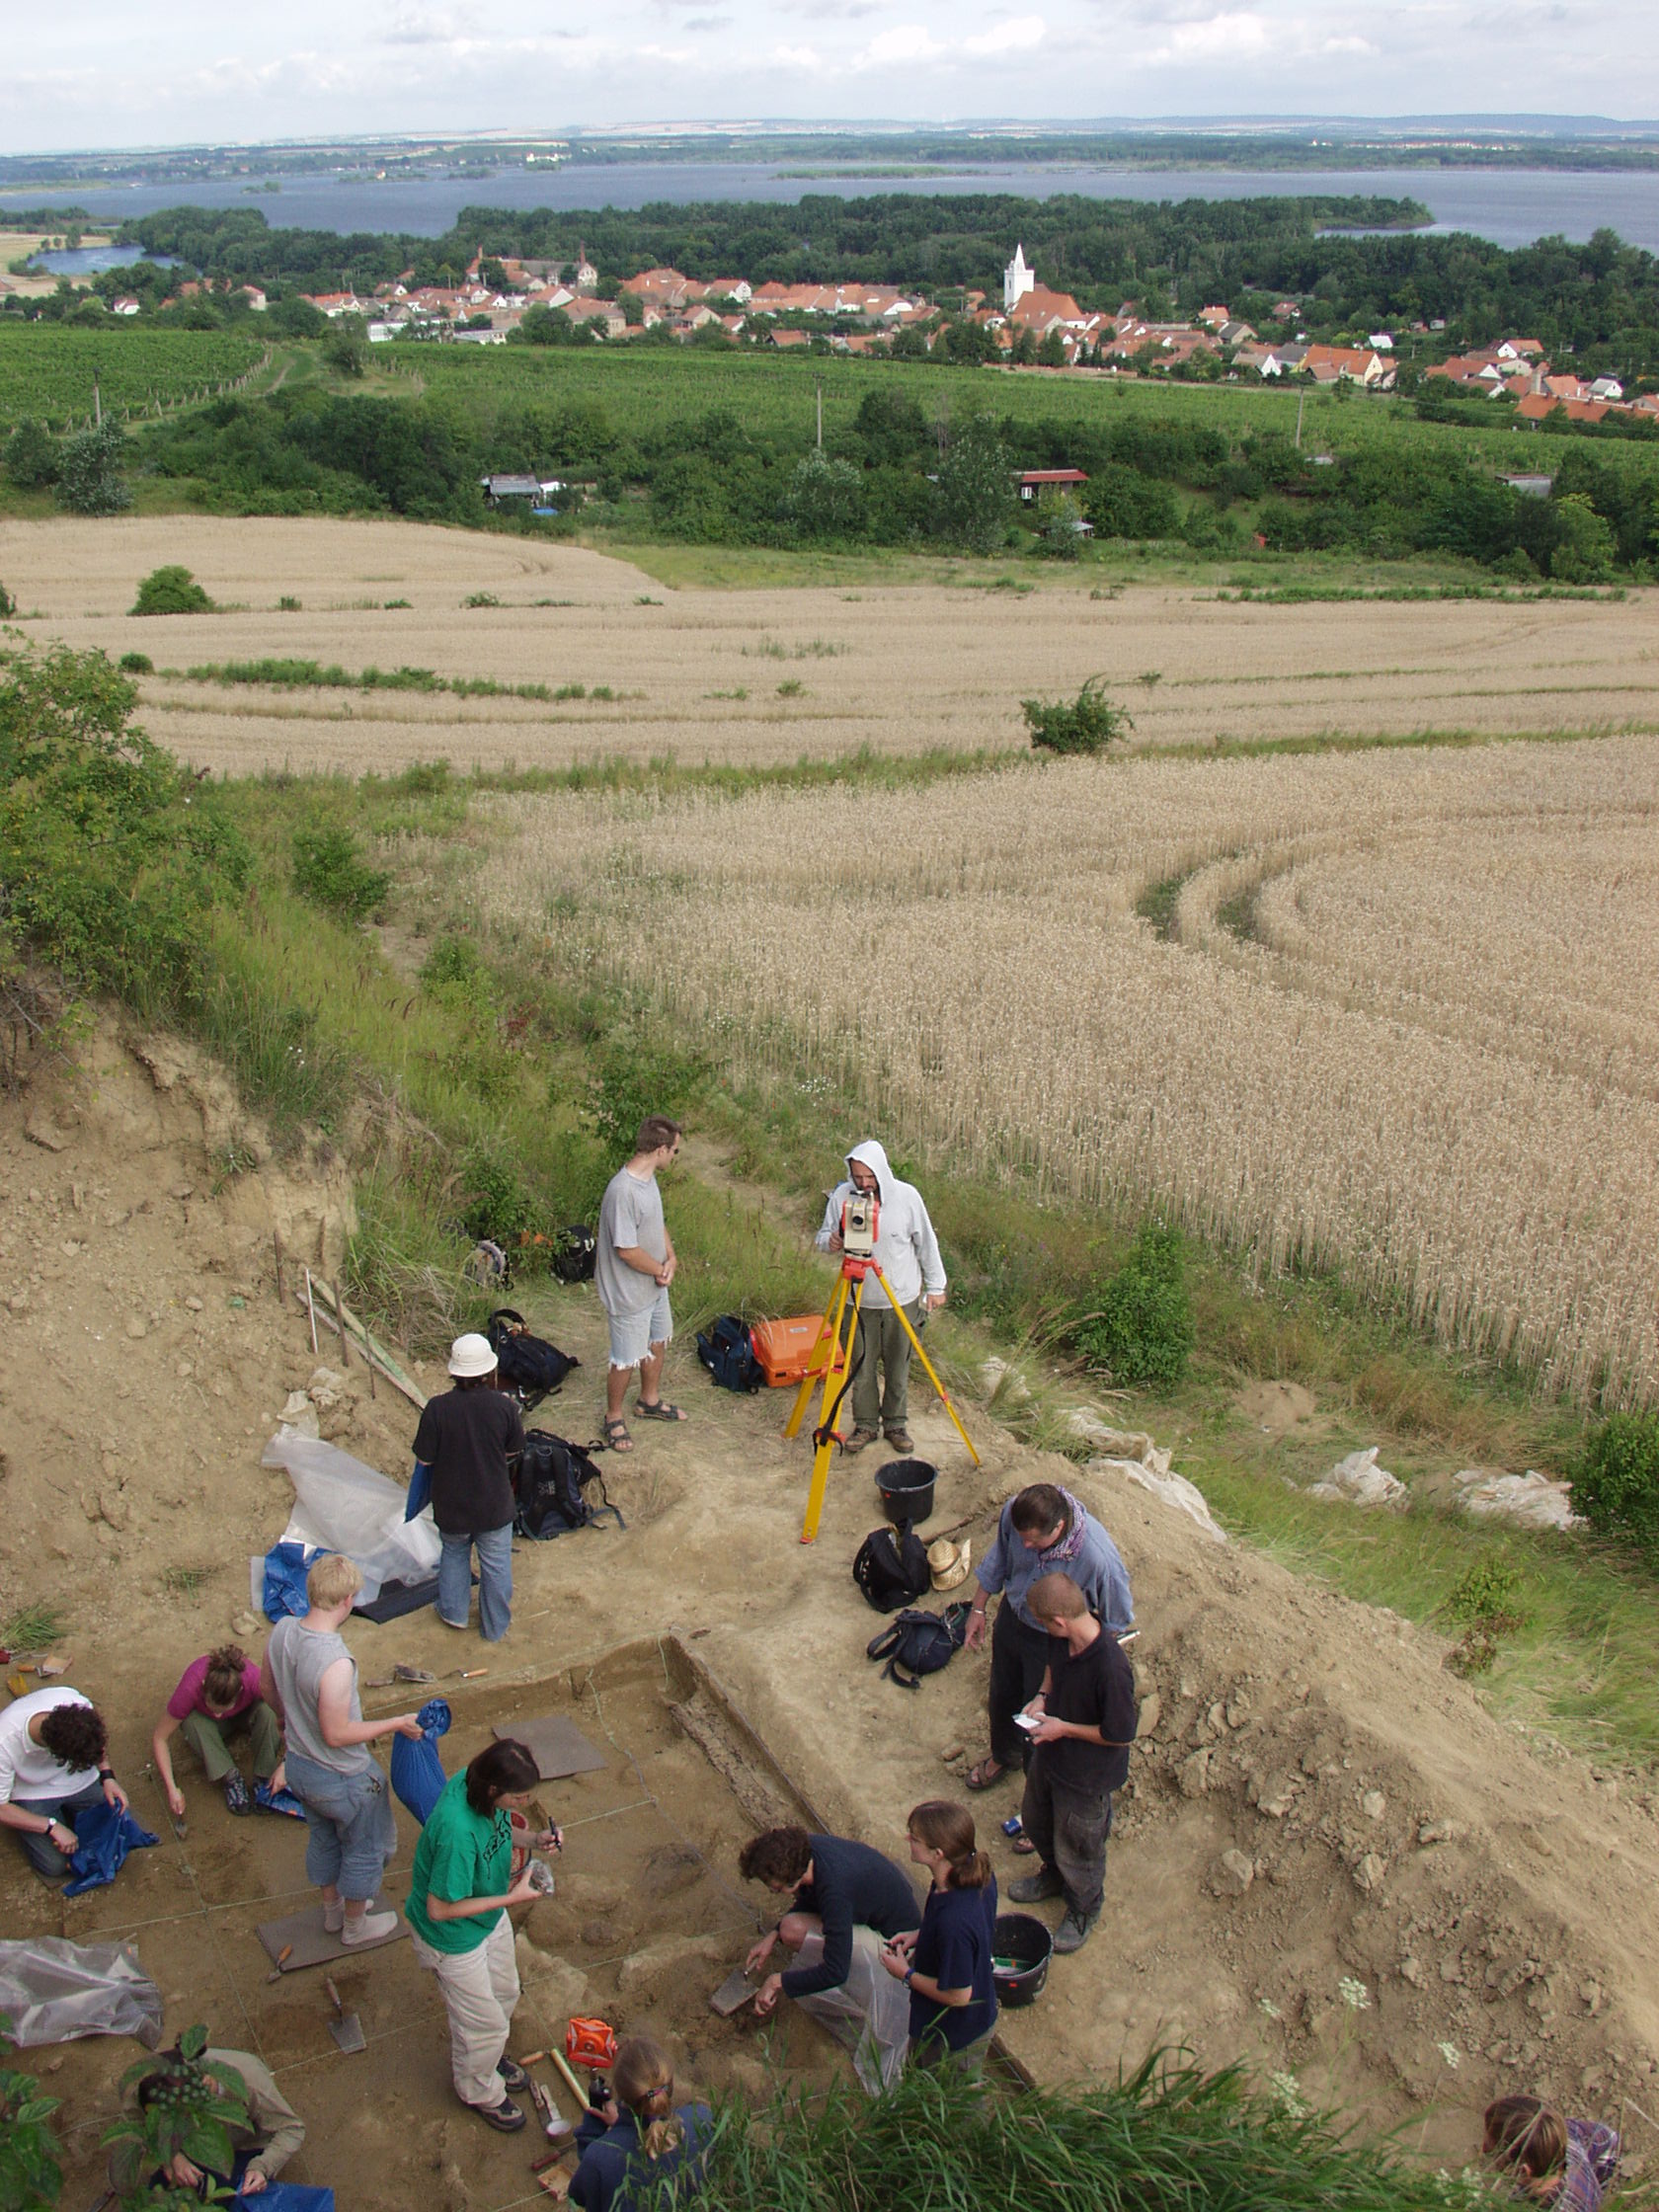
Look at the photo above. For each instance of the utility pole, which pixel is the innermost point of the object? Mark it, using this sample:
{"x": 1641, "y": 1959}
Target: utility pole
{"x": 1301, "y": 402}
{"x": 818, "y": 381}
{"x": 97, "y": 399}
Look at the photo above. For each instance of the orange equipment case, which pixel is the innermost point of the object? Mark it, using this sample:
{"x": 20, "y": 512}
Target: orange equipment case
{"x": 783, "y": 1348}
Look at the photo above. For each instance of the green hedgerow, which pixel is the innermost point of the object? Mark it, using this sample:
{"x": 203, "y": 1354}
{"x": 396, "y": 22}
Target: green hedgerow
{"x": 1616, "y": 1485}
{"x": 635, "y": 1081}
{"x": 171, "y": 590}
{"x": 330, "y": 871}
{"x": 1143, "y": 1328}
{"x": 110, "y": 857}
{"x": 1089, "y": 723}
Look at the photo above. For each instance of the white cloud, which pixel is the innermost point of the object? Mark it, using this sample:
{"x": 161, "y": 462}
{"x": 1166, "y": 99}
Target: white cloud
{"x": 797, "y": 57}
{"x": 1230, "y": 37}
{"x": 1018, "y": 36}
{"x": 901, "y": 47}
{"x": 1348, "y": 45}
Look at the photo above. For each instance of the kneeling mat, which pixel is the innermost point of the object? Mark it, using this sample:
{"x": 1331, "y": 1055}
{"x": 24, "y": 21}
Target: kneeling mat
{"x": 556, "y": 1743}
{"x": 309, "y": 1942}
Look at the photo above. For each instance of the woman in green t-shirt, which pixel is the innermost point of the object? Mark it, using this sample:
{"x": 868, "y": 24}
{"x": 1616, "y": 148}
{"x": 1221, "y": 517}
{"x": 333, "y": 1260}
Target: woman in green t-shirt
{"x": 461, "y": 1883}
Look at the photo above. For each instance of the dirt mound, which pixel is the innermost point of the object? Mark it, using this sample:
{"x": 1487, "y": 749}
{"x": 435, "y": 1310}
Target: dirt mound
{"x": 1316, "y": 1799}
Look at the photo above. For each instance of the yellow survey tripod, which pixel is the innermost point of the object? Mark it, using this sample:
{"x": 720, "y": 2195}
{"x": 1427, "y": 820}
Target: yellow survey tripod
{"x": 831, "y": 1360}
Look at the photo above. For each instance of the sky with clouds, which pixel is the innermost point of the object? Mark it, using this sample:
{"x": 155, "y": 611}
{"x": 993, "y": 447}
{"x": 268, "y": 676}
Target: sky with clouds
{"x": 105, "y": 73}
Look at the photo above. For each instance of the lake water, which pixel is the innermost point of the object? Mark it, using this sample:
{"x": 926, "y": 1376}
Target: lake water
{"x": 87, "y": 260}
{"x": 1510, "y": 206}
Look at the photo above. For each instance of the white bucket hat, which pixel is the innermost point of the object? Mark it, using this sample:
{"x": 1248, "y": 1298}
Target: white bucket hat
{"x": 949, "y": 1561}
{"x": 470, "y": 1357}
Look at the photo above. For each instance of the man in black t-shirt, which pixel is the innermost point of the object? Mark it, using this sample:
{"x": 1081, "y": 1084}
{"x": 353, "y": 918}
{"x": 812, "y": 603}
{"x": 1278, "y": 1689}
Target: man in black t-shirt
{"x": 469, "y": 1440}
{"x": 1082, "y": 1722}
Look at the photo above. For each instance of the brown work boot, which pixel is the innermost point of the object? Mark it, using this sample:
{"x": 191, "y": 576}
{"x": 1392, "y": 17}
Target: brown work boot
{"x": 859, "y": 1441}
{"x": 901, "y": 1440}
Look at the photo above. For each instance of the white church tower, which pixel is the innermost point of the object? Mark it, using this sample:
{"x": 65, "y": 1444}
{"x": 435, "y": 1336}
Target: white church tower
{"x": 1018, "y": 278}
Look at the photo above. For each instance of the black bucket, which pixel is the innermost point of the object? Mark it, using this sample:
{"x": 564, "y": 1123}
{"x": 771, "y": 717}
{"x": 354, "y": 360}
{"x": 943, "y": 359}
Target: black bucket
{"x": 1024, "y": 1942}
{"x": 907, "y": 1489}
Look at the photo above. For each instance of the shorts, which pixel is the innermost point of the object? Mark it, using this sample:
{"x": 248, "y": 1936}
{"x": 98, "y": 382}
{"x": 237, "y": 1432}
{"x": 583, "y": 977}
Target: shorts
{"x": 633, "y": 1334}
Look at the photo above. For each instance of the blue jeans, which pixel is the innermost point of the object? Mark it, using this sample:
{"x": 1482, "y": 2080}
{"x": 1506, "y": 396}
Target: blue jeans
{"x": 495, "y": 1581}
{"x": 351, "y": 1832}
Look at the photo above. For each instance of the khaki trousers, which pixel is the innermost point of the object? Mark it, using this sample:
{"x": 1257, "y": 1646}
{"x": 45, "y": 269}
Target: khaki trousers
{"x": 480, "y": 1990}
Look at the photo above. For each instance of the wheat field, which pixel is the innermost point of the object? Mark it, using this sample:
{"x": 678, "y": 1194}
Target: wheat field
{"x": 760, "y": 676}
{"x": 1404, "y": 1025}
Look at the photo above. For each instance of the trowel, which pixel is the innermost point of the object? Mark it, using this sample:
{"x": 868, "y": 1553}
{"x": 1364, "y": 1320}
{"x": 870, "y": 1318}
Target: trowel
{"x": 733, "y": 1994}
{"x": 345, "y": 2027}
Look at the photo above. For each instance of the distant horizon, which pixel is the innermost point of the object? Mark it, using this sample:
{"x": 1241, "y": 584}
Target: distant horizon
{"x": 1543, "y": 124}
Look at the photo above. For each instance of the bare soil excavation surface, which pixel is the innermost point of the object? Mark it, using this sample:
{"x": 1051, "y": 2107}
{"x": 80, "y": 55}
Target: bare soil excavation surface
{"x": 1489, "y": 1893}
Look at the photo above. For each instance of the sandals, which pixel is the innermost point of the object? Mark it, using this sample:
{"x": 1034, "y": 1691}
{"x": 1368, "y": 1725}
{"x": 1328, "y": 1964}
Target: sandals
{"x": 616, "y": 1435}
{"x": 985, "y": 1773}
{"x": 661, "y": 1412}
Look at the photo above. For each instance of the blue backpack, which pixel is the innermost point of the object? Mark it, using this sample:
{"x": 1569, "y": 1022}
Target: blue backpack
{"x": 727, "y": 1350}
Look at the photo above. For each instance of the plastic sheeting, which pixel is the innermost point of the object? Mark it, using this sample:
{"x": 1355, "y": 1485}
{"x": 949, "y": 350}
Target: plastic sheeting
{"x": 103, "y": 1835}
{"x": 868, "y": 2016}
{"x": 418, "y": 1774}
{"x": 341, "y": 1505}
{"x": 53, "y": 1991}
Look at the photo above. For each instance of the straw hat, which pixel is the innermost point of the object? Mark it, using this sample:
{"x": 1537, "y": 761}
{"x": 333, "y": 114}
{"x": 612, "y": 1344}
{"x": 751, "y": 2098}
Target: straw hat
{"x": 470, "y": 1356}
{"x": 949, "y": 1561}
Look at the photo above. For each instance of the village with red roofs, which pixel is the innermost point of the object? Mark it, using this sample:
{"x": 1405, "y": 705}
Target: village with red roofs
{"x": 1031, "y": 327}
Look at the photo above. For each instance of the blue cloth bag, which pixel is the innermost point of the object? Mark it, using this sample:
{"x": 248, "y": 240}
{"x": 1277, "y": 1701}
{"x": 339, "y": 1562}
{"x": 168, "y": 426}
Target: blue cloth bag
{"x": 104, "y": 1835}
{"x": 288, "y": 2196}
{"x": 284, "y": 1581}
{"x": 418, "y": 1774}
{"x": 420, "y": 1491}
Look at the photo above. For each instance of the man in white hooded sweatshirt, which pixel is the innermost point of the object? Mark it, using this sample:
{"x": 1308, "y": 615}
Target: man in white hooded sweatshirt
{"x": 907, "y": 1255}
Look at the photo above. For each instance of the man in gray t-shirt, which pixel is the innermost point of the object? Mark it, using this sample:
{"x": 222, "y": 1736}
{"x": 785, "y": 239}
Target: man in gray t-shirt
{"x": 632, "y": 1269}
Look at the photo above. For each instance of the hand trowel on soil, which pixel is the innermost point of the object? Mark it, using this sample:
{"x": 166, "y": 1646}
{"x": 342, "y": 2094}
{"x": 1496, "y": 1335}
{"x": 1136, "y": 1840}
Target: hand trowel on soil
{"x": 734, "y": 1993}
{"x": 345, "y": 2027}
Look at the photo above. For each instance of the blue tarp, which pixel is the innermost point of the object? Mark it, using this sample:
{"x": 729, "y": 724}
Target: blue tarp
{"x": 288, "y": 2196}
{"x": 418, "y": 1774}
{"x": 285, "y": 1568}
{"x": 103, "y": 1837}
{"x": 282, "y": 1802}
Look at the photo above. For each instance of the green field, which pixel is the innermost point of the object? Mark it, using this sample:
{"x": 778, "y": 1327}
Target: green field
{"x": 46, "y": 370}
{"x": 640, "y": 389}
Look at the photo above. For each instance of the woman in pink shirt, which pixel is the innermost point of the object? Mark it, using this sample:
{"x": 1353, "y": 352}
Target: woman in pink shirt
{"x": 219, "y": 1695}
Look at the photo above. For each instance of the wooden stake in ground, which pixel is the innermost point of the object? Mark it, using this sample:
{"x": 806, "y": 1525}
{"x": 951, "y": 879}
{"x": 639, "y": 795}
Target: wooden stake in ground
{"x": 340, "y": 1324}
{"x": 311, "y": 1313}
{"x": 276, "y": 1247}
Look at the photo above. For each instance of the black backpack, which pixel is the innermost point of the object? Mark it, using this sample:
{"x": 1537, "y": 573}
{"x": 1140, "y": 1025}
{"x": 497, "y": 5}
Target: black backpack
{"x": 550, "y": 1488}
{"x": 727, "y": 1350}
{"x": 528, "y": 1366}
{"x": 575, "y": 1250}
{"x": 892, "y": 1567}
{"x": 919, "y": 1644}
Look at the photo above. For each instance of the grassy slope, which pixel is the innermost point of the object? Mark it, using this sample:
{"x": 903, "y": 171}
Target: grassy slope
{"x": 503, "y": 1073}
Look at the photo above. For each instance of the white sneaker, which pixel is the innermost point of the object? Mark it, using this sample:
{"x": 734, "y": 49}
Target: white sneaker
{"x": 369, "y": 1929}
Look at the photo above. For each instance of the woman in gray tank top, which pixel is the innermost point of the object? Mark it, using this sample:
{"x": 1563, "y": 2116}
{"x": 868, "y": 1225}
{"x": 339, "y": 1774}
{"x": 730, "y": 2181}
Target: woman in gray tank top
{"x": 309, "y": 1675}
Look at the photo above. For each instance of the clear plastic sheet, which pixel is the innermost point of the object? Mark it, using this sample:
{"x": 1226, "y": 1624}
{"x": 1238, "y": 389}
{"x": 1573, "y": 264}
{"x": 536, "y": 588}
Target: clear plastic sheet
{"x": 53, "y": 1991}
{"x": 341, "y": 1505}
{"x": 868, "y": 2016}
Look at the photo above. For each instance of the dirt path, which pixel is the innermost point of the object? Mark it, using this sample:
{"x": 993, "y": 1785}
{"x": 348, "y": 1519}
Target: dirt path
{"x": 1489, "y": 1893}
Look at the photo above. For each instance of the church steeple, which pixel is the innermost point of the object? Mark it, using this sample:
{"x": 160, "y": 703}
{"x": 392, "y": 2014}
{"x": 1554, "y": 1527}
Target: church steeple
{"x": 1018, "y": 278}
